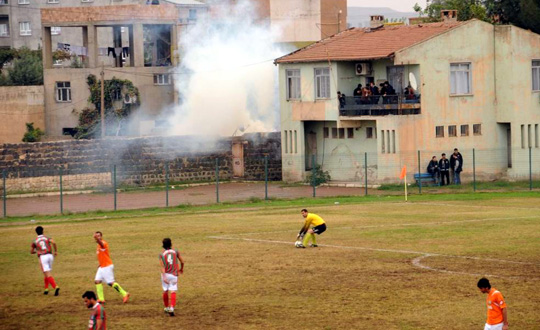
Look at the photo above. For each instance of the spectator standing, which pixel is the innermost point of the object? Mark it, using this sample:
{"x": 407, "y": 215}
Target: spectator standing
{"x": 456, "y": 164}
{"x": 341, "y": 99}
{"x": 357, "y": 93}
{"x": 374, "y": 93}
{"x": 444, "y": 169}
{"x": 433, "y": 168}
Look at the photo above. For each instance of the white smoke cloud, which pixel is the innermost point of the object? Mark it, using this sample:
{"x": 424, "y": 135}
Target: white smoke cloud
{"x": 232, "y": 81}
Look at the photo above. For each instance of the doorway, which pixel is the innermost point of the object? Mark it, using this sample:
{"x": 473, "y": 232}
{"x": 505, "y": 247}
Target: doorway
{"x": 238, "y": 159}
{"x": 311, "y": 149}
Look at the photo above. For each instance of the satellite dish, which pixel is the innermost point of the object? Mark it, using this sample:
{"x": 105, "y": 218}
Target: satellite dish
{"x": 412, "y": 81}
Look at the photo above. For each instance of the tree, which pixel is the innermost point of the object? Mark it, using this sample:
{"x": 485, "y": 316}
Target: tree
{"x": 418, "y": 9}
{"x": 32, "y": 134}
{"x": 116, "y": 92}
{"x": 467, "y": 9}
{"x": 27, "y": 68}
{"x": 522, "y": 13}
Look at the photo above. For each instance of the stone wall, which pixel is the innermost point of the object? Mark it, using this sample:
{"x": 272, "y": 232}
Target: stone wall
{"x": 87, "y": 164}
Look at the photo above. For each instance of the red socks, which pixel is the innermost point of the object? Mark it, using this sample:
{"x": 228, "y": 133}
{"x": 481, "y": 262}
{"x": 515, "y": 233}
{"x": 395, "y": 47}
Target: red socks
{"x": 173, "y": 299}
{"x": 166, "y": 298}
{"x": 49, "y": 280}
{"x": 52, "y": 282}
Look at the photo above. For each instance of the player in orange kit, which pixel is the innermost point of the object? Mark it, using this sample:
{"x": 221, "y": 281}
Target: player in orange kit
{"x": 105, "y": 270}
{"x": 497, "y": 318}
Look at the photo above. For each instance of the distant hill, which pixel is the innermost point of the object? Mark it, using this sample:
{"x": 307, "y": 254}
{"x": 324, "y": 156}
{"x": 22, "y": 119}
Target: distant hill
{"x": 359, "y": 16}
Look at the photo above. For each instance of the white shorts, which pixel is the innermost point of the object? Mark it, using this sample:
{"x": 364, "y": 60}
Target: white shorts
{"x": 105, "y": 274}
{"x": 494, "y": 326}
{"x": 173, "y": 282}
{"x": 46, "y": 261}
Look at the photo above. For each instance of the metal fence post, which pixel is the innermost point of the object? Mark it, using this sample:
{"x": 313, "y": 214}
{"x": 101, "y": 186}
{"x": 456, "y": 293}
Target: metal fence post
{"x": 474, "y": 169}
{"x": 166, "y": 184}
{"x": 61, "y": 193}
{"x": 419, "y": 175}
{"x": 530, "y": 169}
{"x": 4, "y": 193}
{"x": 217, "y": 180}
{"x": 313, "y": 173}
{"x": 265, "y": 177}
{"x": 365, "y": 173}
{"x": 114, "y": 185}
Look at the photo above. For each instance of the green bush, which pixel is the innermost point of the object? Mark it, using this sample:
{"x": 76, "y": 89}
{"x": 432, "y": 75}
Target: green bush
{"x": 318, "y": 176}
{"x": 32, "y": 134}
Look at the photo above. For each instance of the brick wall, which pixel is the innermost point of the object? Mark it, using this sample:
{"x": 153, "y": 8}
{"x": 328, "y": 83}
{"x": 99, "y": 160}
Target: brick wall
{"x": 87, "y": 164}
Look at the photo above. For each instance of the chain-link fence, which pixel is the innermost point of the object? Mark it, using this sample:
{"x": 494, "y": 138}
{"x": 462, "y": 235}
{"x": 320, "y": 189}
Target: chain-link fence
{"x": 338, "y": 172}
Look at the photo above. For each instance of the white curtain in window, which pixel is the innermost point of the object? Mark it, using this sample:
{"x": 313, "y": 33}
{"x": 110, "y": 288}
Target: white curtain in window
{"x": 535, "y": 75}
{"x": 460, "y": 79}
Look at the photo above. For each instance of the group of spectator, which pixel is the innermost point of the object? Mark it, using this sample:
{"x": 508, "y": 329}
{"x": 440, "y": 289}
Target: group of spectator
{"x": 372, "y": 94}
{"x": 440, "y": 169}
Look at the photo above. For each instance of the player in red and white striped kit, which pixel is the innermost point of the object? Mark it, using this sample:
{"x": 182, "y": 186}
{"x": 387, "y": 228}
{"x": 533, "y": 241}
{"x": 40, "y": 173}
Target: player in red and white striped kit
{"x": 43, "y": 247}
{"x": 169, "y": 274}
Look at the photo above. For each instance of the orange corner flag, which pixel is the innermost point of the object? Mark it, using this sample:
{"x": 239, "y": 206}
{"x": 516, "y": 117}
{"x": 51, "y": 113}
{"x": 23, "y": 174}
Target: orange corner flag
{"x": 403, "y": 173}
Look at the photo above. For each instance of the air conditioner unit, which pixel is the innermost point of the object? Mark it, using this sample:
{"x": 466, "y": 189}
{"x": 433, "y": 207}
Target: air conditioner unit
{"x": 363, "y": 69}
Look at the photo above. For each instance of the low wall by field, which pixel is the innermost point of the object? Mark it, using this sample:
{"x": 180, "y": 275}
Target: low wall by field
{"x": 87, "y": 164}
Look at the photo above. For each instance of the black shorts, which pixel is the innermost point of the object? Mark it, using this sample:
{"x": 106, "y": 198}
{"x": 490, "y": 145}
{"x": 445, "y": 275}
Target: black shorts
{"x": 319, "y": 229}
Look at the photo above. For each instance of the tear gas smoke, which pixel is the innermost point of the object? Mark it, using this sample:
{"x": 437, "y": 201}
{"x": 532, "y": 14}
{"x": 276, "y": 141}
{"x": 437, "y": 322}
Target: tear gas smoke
{"x": 227, "y": 78}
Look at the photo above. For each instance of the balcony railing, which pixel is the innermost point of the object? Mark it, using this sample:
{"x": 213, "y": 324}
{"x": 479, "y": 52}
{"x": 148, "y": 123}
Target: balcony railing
{"x": 380, "y": 105}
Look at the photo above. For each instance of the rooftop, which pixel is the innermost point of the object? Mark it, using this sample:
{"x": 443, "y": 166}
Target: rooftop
{"x": 366, "y": 43}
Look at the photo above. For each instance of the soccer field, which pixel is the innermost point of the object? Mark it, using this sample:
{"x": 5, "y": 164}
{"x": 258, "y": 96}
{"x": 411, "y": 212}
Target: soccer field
{"x": 382, "y": 264}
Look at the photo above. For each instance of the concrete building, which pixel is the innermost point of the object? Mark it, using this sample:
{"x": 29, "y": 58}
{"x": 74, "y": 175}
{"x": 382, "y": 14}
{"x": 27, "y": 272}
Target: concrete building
{"x": 145, "y": 58}
{"x": 472, "y": 89}
{"x": 301, "y": 22}
{"x": 20, "y": 20}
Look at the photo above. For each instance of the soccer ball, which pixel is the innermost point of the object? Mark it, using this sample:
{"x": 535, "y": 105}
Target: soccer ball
{"x": 298, "y": 244}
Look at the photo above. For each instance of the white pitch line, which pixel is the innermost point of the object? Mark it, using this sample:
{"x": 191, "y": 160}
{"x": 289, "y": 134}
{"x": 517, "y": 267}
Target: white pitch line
{"x": 397, "y": 225}
{"x": 415, "y": 262}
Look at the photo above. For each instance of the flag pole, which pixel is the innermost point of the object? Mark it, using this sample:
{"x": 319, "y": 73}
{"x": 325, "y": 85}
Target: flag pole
{"x": 405, "y": 187}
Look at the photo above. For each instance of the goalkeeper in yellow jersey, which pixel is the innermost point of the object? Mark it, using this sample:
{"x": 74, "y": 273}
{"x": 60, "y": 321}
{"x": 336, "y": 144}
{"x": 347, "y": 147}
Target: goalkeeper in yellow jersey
{"x": 318, "y": 226}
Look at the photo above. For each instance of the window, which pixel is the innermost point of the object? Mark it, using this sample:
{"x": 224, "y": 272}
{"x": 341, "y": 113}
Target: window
{"x": 522, "y": 136}
{"x": 350, "y": 133}
{"x": 24, "y": 2}
{"x": 452, "y": 131}
{"x": 529, "y": 136}
{"x": 341, "y": 132}
{"x": 293, "y": 84}
{"x": 162, "y": 79}
{"x": 87, "y": 0}
{"x": 291, "y": 142}
{"x": 326, "y": 132}
{"x": 382, "y": 142}
{"x": 369, "y": 132}
{"x": 55, "y": 30}
{"x": 4, "y": 32}
{"x": 439, "y": 131}
{"x": 536, "y": 136}
{"x": 53, "y": 1}
{"x": 322, "y": 83}
{"x": 460, "y": 78}
{"x": 286, "y": 144}
{"x": 4, "y": 2}
{"x": 388, "y": 141}
{"x": 477, "y": 129}
{"x": 24, "y": 27}
{"x": 334, "y": 133}
{"x": 192, "y": 14}
{"x": 122, "y": 29}
{"x": 63, "y": 91}
{"x": 295, "y": 142}
{"x": 464, "y": 130}
{"x": 536, "y": 75}
{"x": 393, "y": 141}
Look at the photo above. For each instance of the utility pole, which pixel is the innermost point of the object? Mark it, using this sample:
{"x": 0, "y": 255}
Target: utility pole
{"x": 102, "y": 74}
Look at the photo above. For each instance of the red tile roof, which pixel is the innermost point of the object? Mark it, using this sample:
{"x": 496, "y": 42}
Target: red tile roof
{"x": 363, "y": 43}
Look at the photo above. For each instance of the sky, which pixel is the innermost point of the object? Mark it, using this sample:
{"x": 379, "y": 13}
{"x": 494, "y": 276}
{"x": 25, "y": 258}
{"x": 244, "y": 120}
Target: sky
{"x": 399, "y": 5}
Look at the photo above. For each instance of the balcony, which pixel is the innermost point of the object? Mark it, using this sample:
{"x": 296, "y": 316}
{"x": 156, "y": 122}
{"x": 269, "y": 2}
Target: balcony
{"x": 380, "y": 106}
